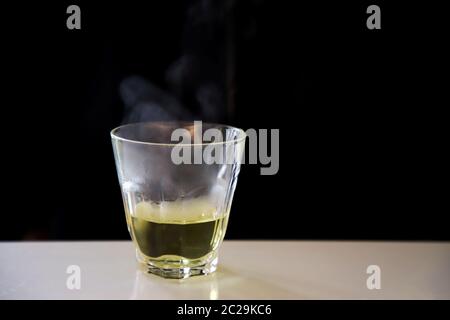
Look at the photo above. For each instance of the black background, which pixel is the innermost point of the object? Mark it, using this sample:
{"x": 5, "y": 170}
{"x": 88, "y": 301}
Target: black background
{"x": 361, "y": 115}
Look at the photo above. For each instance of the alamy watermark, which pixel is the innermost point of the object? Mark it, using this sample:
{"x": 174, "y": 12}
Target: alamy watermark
{"x": 374, "y": 280}
{"x": 73, "y": 281}
{"x": 74, "y": 19}
{"x": 211, "y": 147}
{"x": 374, "y": 20}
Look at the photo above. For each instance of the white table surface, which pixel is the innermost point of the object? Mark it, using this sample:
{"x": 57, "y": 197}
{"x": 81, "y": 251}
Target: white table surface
{"x": 247, "y": 270}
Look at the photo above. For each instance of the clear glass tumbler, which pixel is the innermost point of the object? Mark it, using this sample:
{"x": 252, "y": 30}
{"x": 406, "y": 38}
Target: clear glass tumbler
{"x": 177, "y": 181}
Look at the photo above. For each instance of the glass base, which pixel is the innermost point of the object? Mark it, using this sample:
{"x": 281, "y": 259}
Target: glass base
{"x": 178, "y": 267}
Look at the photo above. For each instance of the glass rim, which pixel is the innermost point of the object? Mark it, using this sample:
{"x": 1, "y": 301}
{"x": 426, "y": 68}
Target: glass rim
{"x": 241, "y": 134}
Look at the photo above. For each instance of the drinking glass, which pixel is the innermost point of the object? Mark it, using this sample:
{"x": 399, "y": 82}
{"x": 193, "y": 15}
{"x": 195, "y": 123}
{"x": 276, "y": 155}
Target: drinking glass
{"x": 177, "y": 181}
